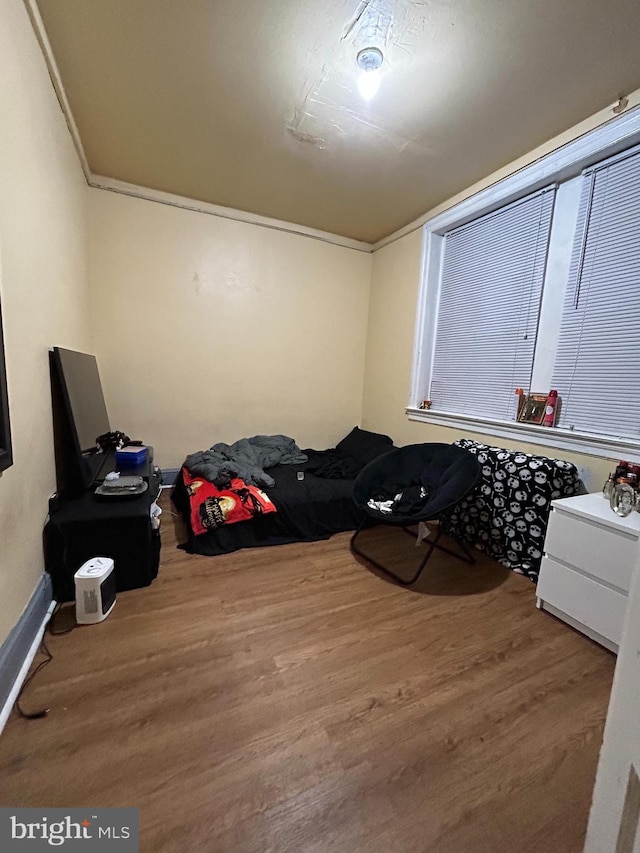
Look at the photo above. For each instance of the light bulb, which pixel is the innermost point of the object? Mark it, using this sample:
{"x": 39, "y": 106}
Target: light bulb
{"x": 369, "y": 60}
{"x": 369, "y": 83}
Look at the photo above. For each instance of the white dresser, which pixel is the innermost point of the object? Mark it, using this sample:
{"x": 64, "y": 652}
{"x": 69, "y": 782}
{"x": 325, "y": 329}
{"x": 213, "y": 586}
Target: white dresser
{"x": 589, "y": 556}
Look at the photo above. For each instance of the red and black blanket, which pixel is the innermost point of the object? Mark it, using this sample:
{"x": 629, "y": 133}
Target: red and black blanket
{"x": 211, "y": 507}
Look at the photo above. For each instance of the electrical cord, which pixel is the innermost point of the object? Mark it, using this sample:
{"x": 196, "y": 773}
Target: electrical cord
{"x": 54, "y": 631}
{"x": 69, "y": 612}
{"x": 43, "y": 712}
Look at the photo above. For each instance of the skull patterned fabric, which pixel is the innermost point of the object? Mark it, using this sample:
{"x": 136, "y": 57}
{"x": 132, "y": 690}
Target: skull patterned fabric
{"x": 506, "y": 514}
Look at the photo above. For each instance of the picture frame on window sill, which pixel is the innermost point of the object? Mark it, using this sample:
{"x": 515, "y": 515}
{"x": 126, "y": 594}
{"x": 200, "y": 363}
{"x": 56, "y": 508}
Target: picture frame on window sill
{"x": 533, "y": 408}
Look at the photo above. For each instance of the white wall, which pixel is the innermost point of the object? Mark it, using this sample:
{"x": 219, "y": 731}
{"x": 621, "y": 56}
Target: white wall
{"x": 620, "y": 754}
{"x": 209, "y": 329}
{"x": 43, "y": 288}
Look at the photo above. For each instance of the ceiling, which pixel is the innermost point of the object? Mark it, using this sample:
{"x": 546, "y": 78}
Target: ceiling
{"x": 254, "y": 105}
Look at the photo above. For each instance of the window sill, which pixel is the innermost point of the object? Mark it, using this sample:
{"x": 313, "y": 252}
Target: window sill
{"x": 576, "y": 442}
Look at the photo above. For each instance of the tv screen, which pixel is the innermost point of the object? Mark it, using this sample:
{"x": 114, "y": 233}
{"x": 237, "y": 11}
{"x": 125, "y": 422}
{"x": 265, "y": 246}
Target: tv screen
{"x": 82, "y": 390}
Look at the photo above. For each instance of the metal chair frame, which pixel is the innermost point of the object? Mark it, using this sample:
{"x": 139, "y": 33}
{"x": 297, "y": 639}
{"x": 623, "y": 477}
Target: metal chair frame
{"x": 466, "y": 555}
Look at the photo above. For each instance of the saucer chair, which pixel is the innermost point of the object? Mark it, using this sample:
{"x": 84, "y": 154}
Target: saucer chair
{"x": 448, "y": 474}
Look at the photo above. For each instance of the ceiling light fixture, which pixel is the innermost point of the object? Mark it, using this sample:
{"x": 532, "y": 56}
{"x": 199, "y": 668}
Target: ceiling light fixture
{"x": 369, "y": 61}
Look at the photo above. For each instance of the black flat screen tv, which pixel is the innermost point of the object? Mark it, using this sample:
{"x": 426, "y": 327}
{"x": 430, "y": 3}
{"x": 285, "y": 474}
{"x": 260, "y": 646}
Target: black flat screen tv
{"x": 79, "y": 417}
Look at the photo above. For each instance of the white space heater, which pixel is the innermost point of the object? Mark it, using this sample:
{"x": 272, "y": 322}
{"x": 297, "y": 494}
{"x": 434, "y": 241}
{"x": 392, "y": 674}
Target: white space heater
{"x": 95, "y": 590}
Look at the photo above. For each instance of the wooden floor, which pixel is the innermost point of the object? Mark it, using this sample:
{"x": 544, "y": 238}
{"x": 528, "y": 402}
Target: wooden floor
{"x": 289, "y": 699}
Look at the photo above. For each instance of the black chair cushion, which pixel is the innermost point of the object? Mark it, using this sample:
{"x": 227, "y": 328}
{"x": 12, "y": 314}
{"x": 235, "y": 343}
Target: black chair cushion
{"x": 447, "y": 472}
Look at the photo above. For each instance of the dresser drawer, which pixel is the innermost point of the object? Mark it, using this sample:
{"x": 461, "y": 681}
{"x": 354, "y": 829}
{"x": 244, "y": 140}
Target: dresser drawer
{"x": 606, "y": 554}
{"x": 596, "y": 606}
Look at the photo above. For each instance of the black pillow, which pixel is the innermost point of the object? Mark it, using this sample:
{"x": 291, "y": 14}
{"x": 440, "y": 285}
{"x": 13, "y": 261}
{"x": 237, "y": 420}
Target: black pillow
{"x": 364, "y": 445}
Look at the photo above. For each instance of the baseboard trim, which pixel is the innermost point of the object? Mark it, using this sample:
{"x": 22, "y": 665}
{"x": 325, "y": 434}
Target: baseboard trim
{"x": 21, "y": 646}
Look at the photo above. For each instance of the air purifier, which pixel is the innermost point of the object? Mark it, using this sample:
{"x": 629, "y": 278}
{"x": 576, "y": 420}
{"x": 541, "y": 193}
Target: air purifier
{"x": 95, "y": 590}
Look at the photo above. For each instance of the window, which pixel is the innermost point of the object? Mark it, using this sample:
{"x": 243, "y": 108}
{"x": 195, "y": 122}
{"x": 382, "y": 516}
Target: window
{"x": 597, "y": 366}
{"x": 490, "y": 295}
{"x": 535, "y": 283}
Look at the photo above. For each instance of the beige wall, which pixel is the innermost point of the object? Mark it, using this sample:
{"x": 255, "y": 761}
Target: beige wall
{"x": 393, "y": 302}
{"x": 42, "y": 288}
{"x": 209, "y": 329}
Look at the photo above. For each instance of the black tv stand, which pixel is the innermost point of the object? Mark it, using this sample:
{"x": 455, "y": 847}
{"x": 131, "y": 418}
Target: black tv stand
{"x": 85, "y": 526}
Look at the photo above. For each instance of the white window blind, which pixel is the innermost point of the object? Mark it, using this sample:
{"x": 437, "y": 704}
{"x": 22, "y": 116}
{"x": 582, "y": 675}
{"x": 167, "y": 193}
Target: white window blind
{"x": 489, "y": 306}
{"x": 597, "y": 368}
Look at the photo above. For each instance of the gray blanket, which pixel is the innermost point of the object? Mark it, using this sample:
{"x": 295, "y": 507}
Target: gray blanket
{"x": 246, "y": 458}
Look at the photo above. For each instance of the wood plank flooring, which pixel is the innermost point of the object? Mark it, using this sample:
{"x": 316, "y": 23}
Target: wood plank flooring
{"x": 290, "y": 699}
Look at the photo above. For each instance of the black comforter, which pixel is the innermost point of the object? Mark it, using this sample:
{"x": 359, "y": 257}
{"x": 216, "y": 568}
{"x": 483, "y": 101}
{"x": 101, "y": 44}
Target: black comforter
{"x": 308, "y": 510}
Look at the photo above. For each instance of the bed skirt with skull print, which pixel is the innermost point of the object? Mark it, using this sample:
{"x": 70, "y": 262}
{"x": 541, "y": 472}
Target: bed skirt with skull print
{"x": 506, "y": 514}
